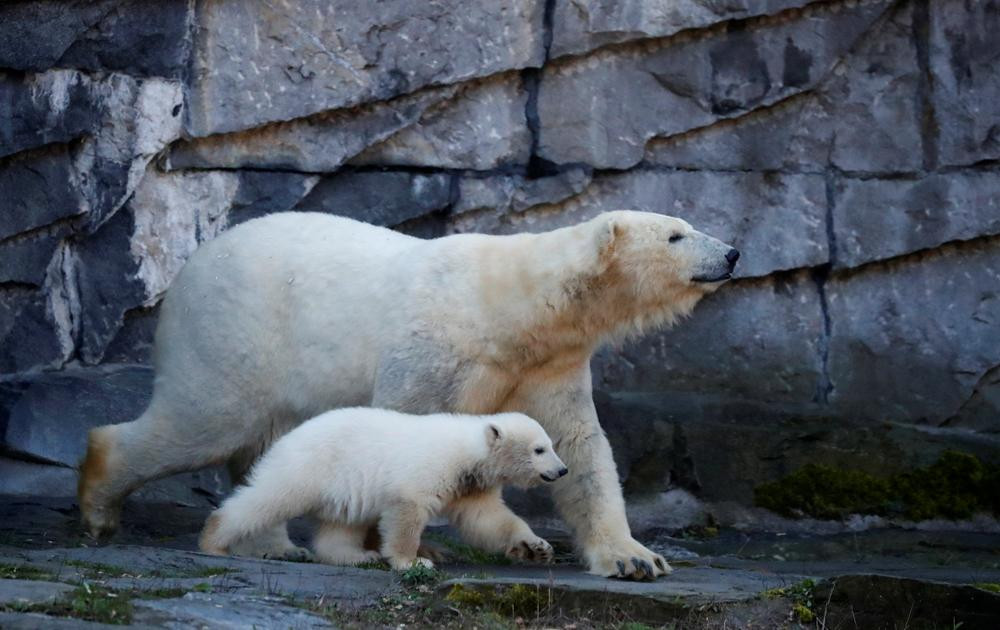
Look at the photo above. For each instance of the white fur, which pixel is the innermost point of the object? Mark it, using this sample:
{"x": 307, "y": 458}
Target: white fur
{"x": 286, "y": 316}
{"x": 355, "y": 468}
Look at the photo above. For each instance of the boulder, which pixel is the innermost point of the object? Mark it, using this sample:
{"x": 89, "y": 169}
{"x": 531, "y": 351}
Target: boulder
{"x": 255, "y": 63}
{"x": 911, "y": 339}
{"x": 965, "y": 87}
{"x": 874, "y": 219}
{"x": 583, "y": 25}
{"x": 862, "y": 118}
{"x": 379, "y": 198}
{"x": 482, "y": 127}
{"x": 131, "y": 36}
{"x": 602, "y": 109}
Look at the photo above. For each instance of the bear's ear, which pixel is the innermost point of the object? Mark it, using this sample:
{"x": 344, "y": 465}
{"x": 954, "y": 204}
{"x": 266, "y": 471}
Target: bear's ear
{"x": 493, "y": 433}
{"x": 609, "y": 235}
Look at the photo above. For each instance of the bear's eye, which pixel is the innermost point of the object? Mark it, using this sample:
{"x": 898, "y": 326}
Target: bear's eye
{"x": 539, "y": 450}
{"x": 675, "y": 237}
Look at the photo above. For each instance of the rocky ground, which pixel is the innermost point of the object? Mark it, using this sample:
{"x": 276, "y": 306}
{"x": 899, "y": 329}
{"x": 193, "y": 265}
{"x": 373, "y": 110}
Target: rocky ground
{"x": 151, "y": 576}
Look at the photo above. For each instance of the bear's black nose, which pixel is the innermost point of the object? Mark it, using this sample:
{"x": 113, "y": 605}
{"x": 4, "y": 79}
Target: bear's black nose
{"x": 732, "y": 256}
{"x": 563, "y": 471}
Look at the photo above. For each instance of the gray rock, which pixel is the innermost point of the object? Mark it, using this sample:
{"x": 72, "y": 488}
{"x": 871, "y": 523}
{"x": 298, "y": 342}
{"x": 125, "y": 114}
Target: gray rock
{"x": 50, "y": 420}
{"x": 601, "y": 110}
{"x": 31, "y": 592}
{"x": 981, "y": 412}
{"x": 224, "y": 610}
{"x": 344, "y": 586}
{"x": 379, "y": 198}
{"x": 875, "y": 219}
{"x": 582, "y": 25}
{"x": 131, "y": 36}
{"x": 260, "y": 193}
{"x": 44, "y": 108}
{"x": 24, "y": 260}
{"x": 33, "y": 621}
{"x": 107, "y": 283}
{"x": 319, "y": 143}
{"x": 38, "y": 188}
{"x": 31, "y": 335}
{"x": 966, "y": 88}
{"x": 134, "y": 341}
{"x": 27, "y": 478}
{"x": 482, "y": 127}
{"x": 721, "y": 445}
{"x": 501, "y": 194}
{"x": 776, "y": 221}
{"x": 752, "y": 340}
{"x": 910, "y": 340}
{"x": 257, "y": 63}
{"x": 864, "y": 117}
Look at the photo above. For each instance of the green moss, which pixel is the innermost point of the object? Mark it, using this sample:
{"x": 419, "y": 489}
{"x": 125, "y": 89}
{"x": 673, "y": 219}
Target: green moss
{"x": 516, "y": 600}
{"x": 468, "y": 553}
{"x": 97, "y": 569}
{"x": 87, "y": 601}
{"x": 803, "y": 613}
{"x": 956, "y": 486}
{"x": 419, "y": 574}
{"x": 992, "y": 587}
{"x": 377, "y": 565}
{"x": 23, "y": 572}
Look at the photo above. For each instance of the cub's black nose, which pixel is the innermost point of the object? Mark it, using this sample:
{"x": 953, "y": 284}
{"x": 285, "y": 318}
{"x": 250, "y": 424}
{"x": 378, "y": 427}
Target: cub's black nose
{"x": 563, "y": 471}
{"x": 732, "y": 256}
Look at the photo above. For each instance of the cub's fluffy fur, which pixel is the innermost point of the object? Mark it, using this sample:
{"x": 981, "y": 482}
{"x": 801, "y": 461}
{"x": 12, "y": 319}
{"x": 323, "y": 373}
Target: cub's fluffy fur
{"x": 353, "y": 468}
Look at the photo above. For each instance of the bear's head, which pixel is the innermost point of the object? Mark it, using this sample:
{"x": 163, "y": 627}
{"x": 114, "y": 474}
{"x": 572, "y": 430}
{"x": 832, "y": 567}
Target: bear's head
{"x": 521, "y": 452}
{"x": 662, "y": 254}
{"x": 655, "y": 267}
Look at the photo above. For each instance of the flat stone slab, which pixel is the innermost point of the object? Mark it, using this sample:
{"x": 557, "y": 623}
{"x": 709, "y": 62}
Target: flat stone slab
{"x": 34, "y": 621}
{"x": 220, "y": 610}
{"x": 150, "y": 568}
{"x": 30, "y": 592}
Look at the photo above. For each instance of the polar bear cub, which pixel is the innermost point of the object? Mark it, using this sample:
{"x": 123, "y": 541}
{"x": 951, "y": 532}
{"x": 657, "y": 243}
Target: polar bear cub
{"x": 354, "y": 468}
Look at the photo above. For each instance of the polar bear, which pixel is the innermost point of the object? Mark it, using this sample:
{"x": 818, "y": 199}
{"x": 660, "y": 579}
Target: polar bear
{"x": 289, "y": 315}
{"x": 361, "y": 467}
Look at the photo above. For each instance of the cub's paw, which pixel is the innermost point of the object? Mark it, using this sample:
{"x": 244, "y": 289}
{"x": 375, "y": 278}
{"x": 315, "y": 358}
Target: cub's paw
{"x": 626, "y": 560}
{"x": 403, "y": 564}
{"x": 535, "y": 550}
{"x": 291, "y": 554}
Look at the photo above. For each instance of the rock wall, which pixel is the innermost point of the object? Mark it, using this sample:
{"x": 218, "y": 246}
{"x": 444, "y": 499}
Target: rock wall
{"x": 849, "y": 148}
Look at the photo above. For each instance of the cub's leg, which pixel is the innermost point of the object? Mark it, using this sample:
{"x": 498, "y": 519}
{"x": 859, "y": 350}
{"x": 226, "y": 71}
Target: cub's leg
{"x": 337, "y": 543}
{"x": 485, "y": 521}
{"x": 401, "y": 527}
{"x": 250, "y": 511}
{"x": 272, "y": 542}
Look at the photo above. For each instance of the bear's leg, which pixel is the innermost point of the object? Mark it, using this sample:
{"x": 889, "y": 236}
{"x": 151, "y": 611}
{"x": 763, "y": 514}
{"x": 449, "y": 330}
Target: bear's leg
{"x": 122, "y": 457}
{"x": 401, "y": 527}
{"x": 484, "y": 521}
{"x": 337, "y": 543}
{"x": 590, "y": 497}
{"x": 273, "y": 541}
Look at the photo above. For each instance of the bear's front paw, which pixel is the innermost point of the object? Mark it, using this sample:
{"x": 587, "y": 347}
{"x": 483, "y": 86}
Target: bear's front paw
{"x": 535, "y": 550}
{"x": 628, "y": 560}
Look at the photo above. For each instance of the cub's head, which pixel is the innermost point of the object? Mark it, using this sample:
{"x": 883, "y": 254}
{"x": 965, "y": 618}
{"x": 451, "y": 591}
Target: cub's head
{"x": 521, "y": 451}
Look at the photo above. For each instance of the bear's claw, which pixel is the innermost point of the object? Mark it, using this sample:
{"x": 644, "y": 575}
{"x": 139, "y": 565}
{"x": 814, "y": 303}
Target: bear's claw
{"x": 630, "y": 561}
{"x": 536, "y": 551}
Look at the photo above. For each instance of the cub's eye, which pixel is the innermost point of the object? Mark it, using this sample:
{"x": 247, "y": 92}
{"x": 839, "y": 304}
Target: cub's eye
{"x": 539, "y": 450}
{"x": 676, "y": 237}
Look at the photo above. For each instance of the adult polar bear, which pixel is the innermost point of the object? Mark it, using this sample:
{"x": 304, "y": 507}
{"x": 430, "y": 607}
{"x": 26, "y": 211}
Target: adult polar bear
{"x": 289, "y": 315}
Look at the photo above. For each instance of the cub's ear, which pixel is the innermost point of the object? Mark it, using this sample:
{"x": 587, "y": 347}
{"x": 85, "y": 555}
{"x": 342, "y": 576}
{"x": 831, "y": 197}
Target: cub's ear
{"x": 493, "y": 433}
